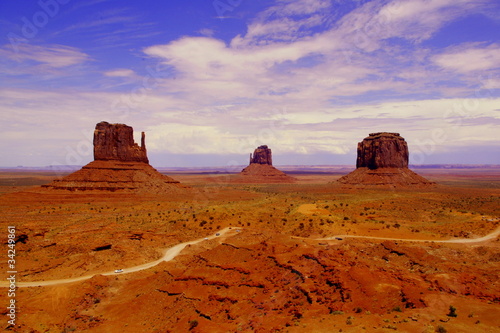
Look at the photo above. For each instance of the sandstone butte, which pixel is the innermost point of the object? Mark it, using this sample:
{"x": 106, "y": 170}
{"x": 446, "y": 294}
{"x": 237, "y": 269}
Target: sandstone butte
{"x": 261, "y": 169}
{"x": 382, "y": 160}
{"x": 119, "y": 165}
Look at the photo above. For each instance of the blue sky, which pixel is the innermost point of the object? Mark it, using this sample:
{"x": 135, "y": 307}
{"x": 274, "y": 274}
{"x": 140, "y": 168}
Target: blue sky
{"x": 209, "y": 81}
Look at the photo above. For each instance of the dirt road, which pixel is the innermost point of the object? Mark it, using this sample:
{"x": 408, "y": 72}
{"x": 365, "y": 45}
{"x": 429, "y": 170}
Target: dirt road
{"x": 169, "y": 254}
{"x": 174, "y": 251}
{"x": 489, "y": 236}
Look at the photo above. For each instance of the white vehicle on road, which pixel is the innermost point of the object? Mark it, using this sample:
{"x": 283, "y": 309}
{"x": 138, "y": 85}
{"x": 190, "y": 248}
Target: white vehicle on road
{"x": 118, "y": 271}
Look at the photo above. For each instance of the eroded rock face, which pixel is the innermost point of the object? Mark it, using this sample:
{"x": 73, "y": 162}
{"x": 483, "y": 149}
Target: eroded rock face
{"x": 262, "y": 155}
{"x": 382, "y": 150}
{"x": 119, "y": 165}
{"x": 261, "y": 169}
{"x": 383, "y": 161}
{"x": 115, "y": 142}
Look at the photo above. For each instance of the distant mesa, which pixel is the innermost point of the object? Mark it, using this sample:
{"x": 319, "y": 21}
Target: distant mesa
{"x": 383, "y": 160}
{"x": 262, "y": 155}
{"x": 261, "y": 169}
{"x": 120, "y": 165}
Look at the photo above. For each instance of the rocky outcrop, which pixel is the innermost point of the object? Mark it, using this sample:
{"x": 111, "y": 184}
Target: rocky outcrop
{"x": 115, "y": 142}
{"x": 116, "y": 176}
{"x": 261, "y": 155}
{"x": 383, "y": 161}
{"x": 261, "y": 169}
{"x": 382, "y": 150}
{"x": 119, "y": 165}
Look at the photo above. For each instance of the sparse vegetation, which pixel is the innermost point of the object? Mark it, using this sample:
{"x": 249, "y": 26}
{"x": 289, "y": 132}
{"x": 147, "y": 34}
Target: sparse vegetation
{"x": 58, "y": 245}
{"x": 193, "y": 324}
{"x": 453, "y": 311}
{"x": 441, "y": 329}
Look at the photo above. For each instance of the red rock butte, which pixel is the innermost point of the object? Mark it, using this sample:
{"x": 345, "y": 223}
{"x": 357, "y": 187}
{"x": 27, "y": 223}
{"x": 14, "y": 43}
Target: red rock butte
{"x": 383, "y": 161}
{"x": 261, "y": 169}
{"x": 120, "y": 165}
{"x": 115, "y": 142}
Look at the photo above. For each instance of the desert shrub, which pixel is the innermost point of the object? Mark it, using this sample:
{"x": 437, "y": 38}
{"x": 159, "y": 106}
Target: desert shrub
{"x": 441, "y": 329}
{"x": 193, "y": 324}
{"x": 391, "y": 327}
{"x": 453, "y": 311}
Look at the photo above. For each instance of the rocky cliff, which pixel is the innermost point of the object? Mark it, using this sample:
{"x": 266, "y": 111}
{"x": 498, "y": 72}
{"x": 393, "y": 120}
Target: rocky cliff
{"x": 261, "y": 169}
{"x": 120, "y": 165}
{"x": 115, "y": 142}
{"x": 383, "y": 161}
{"x": 262, "y": 155}
{"x": 382, "y": 150}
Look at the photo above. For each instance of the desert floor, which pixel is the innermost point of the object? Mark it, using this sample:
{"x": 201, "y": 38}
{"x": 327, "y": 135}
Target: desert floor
{"x": 288, "y": 263}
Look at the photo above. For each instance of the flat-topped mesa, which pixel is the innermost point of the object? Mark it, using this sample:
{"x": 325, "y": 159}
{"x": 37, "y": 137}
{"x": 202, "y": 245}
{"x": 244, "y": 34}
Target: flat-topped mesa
{"x": 262, "y": 155}
{"x": 382, "y": 150}
{"x": 115, "y": 142}
{"x": 383, "y": 161}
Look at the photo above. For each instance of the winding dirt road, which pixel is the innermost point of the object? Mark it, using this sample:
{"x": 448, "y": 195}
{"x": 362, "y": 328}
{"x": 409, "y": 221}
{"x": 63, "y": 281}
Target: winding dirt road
{"x": 493, "y": 235}
{"x": 174, "y": 251}
{"x": 169, "y": 254}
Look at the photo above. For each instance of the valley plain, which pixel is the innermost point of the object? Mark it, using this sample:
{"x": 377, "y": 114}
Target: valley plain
{"x": 288, "y": 263}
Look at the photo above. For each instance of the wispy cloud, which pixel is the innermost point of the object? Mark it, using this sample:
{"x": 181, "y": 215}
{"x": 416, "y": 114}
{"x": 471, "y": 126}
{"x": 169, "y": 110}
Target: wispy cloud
{"x": 41, "y": 62}
{"x": 123, "y": 72}
{"x": 286, "y": 21}
{"x": 304, "y": 76}
{"x": 56, "y": 56}
{"x": 470, "y": 58}
{"x": 111, "y": 28}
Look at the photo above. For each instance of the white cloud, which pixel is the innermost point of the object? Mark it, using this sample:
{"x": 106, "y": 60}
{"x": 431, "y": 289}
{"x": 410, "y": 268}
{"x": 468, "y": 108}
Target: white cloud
{"x": 304, "y": 7}
{"x": 289, "y": 82}
{"x": 491, "y": 83}
{"x": 55, "y": 56}
{"x": 366, "y": 27}
{"x": 122, "y": 72}
{"x": 207, "y": 32}
{"x": 285, "y": 21}
{"x": 469, "y": 58}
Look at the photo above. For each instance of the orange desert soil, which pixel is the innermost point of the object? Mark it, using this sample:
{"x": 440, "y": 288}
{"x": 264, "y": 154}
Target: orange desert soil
{"x": 275, "y": 272}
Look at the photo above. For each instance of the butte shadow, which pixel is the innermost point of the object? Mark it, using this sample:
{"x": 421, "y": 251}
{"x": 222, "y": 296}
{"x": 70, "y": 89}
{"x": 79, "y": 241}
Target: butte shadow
{"x": 382, "y": 162}
{"x": 120, "y": 165}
